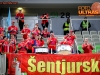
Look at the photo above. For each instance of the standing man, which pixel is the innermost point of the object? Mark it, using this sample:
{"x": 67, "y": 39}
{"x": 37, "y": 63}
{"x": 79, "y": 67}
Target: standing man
{"x": 87, "y": 47}
{"x": 20, "y": 19}
{"x": 66, "y": 26}
{"x": 85, "y": 25}
{"x": 13, "y": 30}
{"x": 45, "y": 23}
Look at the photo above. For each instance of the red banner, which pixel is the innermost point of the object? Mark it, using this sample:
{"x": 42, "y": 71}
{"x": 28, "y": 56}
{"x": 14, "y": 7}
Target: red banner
{"x": 47, "y": 64}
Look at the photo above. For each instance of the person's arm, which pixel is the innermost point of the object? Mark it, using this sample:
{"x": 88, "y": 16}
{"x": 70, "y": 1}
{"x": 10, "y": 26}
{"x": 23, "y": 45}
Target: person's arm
{"x": 91, "y": 47}
{"x": 17, "y": 16}
{"x": 22, "y": 16}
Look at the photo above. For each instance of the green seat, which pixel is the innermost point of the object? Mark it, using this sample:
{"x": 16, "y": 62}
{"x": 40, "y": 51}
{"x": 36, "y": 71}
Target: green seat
{"x": 94, "y": 51}
{"x": 97, "y": 47}
{"x": 80, "y": 48}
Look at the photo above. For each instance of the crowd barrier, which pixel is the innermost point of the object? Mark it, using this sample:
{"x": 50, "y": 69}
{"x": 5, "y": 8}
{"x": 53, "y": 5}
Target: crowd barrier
{"x": 2, "y": 64}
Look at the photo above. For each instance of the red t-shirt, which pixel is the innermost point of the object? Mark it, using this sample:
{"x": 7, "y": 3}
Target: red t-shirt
{"x": 52, "y": 43}
{"x": 26, "y": 31}
{"x": 35, "y": 32}
{"x": 21, "y": 15}
{"x": 65, "y": 43}
{"x": 1, "y": 41}
{"x": 40, "y": 43}
{"x": 22, "y": 46}
{"x": 44, "y": 21}
{"x": 45, "y": 34}
{"x": 13, "y": 30}
{"x": 87, "y": 48}
{"x": 5, "y": 46}
{"x": 12, "y": 46}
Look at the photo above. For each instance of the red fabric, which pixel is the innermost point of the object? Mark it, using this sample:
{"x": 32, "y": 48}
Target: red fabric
{"x": 1, "y": 30}
{"x": 52, "y": 43}
{"x": 35, "y": 32}
{"x": 66, "y": 43}
{"x": 40, "y": 43}
{"x": 5, "y": 46}
{"x": 12, "y": 46}
{"x": 26, "y": 31}
{"x": 87, "y": 48}
{"x": 21, "y": 15}
{"x": 41, "y": 64}
{"x": 1, "y": 41}
{"x": 13, "y": 30}
{"x": 45, "y": 33}
{"x": 22, "y": 46}
{"x": 30, "y": 42}
{"x": 44, "y": 21}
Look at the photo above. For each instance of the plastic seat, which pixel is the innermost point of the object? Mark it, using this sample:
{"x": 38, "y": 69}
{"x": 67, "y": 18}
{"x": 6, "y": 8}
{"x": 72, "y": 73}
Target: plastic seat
{"x": 79, "y": 43}
{"x": 97, "y": 47}
{"x": 79, "y": 36}
{"x": 94, "y": 36}
{"x": 86, "y": 36}
{"x": 96, "y": 40}
{"x": 94, "y": 51}
{"x": 85, "y": 32}
{"x": 79, "y": 39}
{"x": 78, "y": 32}
{"x": 98, "y": 32}
{"x": 93, "y": 32}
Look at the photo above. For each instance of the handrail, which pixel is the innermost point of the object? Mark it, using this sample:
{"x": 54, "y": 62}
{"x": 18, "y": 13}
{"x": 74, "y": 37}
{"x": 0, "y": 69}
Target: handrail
{"x": 83, "y": 19}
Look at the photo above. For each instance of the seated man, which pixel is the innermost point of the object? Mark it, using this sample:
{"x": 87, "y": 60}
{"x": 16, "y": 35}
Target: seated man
{"x": 85, "y": 25}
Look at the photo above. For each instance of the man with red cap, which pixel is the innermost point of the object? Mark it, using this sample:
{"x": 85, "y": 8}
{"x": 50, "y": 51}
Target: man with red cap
{"x": 52, "y": 43}
{"x": 13, "y": 30}
{"x": 45, "y": 23}
{"x": 25, "y": 31}
{"x": 87, "y": 47}
{"x": 20, "y": 19}
{"x": 45, "y": 33}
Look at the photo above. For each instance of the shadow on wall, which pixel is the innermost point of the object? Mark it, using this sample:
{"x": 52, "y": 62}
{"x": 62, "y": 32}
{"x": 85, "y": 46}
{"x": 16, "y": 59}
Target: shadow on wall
{"x": 95, "y": 23}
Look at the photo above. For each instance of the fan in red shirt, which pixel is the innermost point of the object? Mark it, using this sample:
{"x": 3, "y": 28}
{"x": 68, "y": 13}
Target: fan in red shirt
{"x": 20, "y": 19}
{"x": 40, "y": 41}
{"x": 65, "y": 42}
{"x": 35, "y": 32}
{"x": 22, "y": 46}
{"x": 70, "y": 37}
{"x": 87, "y": 47}
{"x": 1, "y": 31}
{"x": 12, "y": 44}
{"x": 30, "y": 43}
{"x": 52, "y": 43}
{"x": 5, "y": 45}
{"x": 25, "y": 31}
{"x": 1, "y": 42}
{"x": 45, "y": 23}
{"x": 13, "y": 30}
{"x": 45, "y": 33}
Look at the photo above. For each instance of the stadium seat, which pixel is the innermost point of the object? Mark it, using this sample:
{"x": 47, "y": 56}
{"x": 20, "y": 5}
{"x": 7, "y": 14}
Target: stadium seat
{"x": 97, "y": 47}
{"x": 79, "y": 42}
{"x": 96, "y": 40}
{"x": 78, "y": 32}
{"x": 86, "y": 36}
{"x": 98, "y": 32}
{"x": 94, "y": 51}
{"x": 79, "y": 36}
{"x": 90, "y": 40}
{"x": 85, "y": 32}
{"x": 94, "y": 36}
{"x": 93, "y": 32}
{"x": 79, "y": 39}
